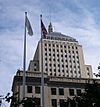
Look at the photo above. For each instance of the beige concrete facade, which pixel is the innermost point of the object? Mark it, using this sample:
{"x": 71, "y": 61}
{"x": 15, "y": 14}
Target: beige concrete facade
{"x": 65, "y": 72}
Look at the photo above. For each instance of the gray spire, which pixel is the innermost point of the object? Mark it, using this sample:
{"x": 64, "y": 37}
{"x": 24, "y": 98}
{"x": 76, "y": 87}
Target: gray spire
{"x": 50, "y": 29}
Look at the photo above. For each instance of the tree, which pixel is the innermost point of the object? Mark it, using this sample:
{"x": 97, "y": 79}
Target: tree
{"x": 91, "y": 96}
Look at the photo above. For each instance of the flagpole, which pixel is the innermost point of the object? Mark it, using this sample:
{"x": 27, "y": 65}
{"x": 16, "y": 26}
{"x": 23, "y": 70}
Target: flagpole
{"x": 42, "y": 73}
{"x": 24, "y": 59}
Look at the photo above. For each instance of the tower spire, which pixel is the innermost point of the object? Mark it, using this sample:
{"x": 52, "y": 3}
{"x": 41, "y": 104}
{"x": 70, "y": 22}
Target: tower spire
{"x": 50, "y": 29}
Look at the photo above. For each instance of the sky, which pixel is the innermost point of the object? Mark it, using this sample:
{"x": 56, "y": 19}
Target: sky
{"x": 79, "y": 19}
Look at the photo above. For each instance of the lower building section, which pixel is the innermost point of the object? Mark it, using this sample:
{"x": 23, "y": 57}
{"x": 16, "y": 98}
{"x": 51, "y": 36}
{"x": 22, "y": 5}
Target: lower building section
{"x": 56, "y": 89}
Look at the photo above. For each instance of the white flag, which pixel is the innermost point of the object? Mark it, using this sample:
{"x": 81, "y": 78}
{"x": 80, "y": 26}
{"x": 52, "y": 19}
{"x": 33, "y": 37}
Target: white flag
{"x": 28, "y": 26}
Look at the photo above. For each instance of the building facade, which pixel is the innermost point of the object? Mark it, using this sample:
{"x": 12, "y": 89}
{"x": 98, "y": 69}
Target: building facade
{"x": 61, "y": 59}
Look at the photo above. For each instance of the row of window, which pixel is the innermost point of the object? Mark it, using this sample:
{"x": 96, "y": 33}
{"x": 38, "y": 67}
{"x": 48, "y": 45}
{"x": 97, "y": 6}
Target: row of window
{"x": 30, "y": 89}
{"x": 53, "y": 45}
{"x": 73, "y": 56}
{"x": 54, "y": 91}
{"x": 61, "y": 91}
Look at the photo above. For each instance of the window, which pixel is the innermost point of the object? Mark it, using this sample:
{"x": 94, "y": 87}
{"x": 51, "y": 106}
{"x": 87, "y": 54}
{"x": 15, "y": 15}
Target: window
{"x": 61, "y": 50}
{"x": 45, "y": 54}
{"x": 45, "y": 64}
{"x": 54, "y": 102}
{"x": 53, "y": 45}
{"x": 53, "y": 91}
{"x": 72, "y": 47}
{"x": 50, "y": 73}
{"x": 45, "y": 44}
{"x": 57, "y": 45}
{"x": 61, "y": 91}
{"x": 64, "y": 46}
{"x": 57, "y": 50}
{"x": 29, "y": 89}
{"x": 34, "y": 69}
{"x": 62, "y": 104}
{"x": 37, "y": 90}
{"x": 54, "y": 74}
{"x": 71, "y": 92}
{"x": 49, "y": 49}
{"x": 78, "y": 91}
{"x": 49, "y": 44}
{"x": 45, "y": 49}
{"x": 46, "y": 59}
{"x": 49, "y": 54}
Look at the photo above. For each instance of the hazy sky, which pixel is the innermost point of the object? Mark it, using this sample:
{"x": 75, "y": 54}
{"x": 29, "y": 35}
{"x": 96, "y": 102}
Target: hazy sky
{"x": 76, "y": 18}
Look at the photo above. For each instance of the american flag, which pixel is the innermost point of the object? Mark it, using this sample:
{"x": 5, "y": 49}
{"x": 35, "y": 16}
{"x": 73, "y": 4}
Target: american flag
{"x": 43, "y": 29}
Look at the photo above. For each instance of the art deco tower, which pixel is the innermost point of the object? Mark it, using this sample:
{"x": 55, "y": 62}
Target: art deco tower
{"x": 62, "y": 57}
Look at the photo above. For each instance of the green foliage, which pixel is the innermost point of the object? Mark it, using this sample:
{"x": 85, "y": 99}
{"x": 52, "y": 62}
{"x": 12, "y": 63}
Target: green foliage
{"x": 91, "y": 96}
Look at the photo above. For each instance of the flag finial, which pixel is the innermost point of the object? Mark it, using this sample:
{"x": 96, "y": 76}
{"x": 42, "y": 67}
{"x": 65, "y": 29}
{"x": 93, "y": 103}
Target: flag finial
{"x": 41, "y": 16}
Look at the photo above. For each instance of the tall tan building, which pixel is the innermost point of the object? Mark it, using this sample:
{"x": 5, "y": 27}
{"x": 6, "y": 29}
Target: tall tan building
{"x": 65, "y": 72}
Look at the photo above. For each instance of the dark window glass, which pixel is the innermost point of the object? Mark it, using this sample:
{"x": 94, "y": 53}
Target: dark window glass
{"x": 71, "y": 92}
{"x": 50, "y": 73}
{"x": 65, "y": 51}
{"x": 64, "y": 46}
{"x": 46, "y": 59}
{"x": 57, "y": 59}
{"x": 57, "y": 45}
{"x": 58, "y": 70}
{"x": 29, "y": 89}
{"x": 54, "y": 59}
{"x": 49, "y": 59}
{"x": 62, "y": 70}
{"x": 61, "y": 50}
{"x": 46, "y": 69}
{"x": 54, "y": 70}
{"x": 54, "y": 74}
{"x": 62, "y": 104}
{"x": 77, "y": 52}
{"x": 46, "y": 54}
{"x": 45, "y": 44}
{"x": 78, "y": 91}
{"x": 54, "y": 102}
{"x": 53, "y": 91}
{"x": 53, "y": 54}
{"x": 61, "y": 91}
{"x": 53, "y": 45}
{"x": 45, "y": 64}
{"x": 58, "y": 55}
{"x": 66, "y": 65}
{"x": 61, "y": 55}
{"x": 49, "y": 54}
{"x": 37, "y": 90}
{"x": 34, "y": 64}
{"x": 34, "y": 69}
{"x": 62, "y": 65}
{"x": 49, "y": 49}
{"x": 45, "y": 49}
